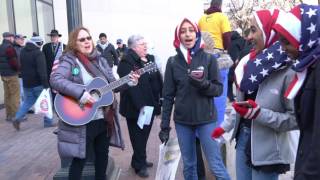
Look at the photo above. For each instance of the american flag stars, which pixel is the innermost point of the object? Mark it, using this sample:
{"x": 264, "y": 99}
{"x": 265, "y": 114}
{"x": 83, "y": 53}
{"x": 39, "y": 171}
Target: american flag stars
{"x": 260, "y": 68}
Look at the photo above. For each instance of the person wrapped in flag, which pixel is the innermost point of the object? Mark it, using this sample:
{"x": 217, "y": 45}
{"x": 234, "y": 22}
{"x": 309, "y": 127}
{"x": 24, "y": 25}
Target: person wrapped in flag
{"x": 263, "y": 119}
{"x": 299, "y": 36}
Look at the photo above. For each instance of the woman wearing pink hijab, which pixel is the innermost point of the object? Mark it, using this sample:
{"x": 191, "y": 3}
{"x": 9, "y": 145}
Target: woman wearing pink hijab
{"x": 262, "y": 121}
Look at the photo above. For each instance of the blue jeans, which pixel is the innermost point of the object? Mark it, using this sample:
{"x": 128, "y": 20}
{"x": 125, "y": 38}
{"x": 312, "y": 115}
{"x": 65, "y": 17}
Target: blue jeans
{"x": 187, "y": 141}
{"x": 243, "y": 171}
{"x": 221, "y": 101}
{"x": 21, "y": 91}
{"x": 30, "y": 97}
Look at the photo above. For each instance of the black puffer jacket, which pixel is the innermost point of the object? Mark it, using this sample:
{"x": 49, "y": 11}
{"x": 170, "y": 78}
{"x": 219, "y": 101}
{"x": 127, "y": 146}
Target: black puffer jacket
{"x": 110, "y": 54}
{"x": 307, "y": 105}
{"x": 193, "y": 106}
{"x": 33, "y": 67}
{"x": 148, "y": 91}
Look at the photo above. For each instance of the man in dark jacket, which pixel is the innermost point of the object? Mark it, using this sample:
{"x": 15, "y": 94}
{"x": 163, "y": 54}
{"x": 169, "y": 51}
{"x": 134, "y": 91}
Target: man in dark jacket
{"x": 132, "y": 100}
{"x": 9, "y": 68}
{"x": 53, "y": 50}
{"x": 122, "y": 48}
{"x": 238, "y": 44}
{"x": 107, "y": 50}
{"x": 18, "y": 45}
{"x": 34, "y": 77}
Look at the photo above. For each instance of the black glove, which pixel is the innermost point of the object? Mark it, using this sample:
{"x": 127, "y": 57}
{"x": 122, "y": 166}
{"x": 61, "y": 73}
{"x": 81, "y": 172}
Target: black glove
{"x": 198, "y": 80}
{"x": 160, "y": 102}
{"x": 164, "y": 135}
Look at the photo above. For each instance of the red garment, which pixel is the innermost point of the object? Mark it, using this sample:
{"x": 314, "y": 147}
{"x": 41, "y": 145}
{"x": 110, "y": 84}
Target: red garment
{"x": 266, "y": 19}
{"x": 12, "y": 56}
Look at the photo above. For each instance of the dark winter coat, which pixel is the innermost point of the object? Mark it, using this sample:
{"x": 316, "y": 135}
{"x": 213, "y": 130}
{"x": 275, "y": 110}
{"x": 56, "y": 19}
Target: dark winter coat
{"x": 9, "y": 66}
{"x": 50, "y": 55}
{"x": 122, "y": 51}
{"x": 72, "y": 139}
{"x": 148, "y": 91}
{"x": 110, "y": 54}
{"x": 237, "y": 48}
{"x": 193, "y": 106}
{"x": 307, "y": 105}
{"x": 33, "y": 67}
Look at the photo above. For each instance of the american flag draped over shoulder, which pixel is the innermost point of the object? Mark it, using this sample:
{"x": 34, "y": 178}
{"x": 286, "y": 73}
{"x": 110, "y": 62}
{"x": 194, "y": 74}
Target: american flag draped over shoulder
{"x": 302, "y": 31}
{"x": 259, "y": 68}
{"x": 310, "y": 36}
{"x": 56, "y": 59}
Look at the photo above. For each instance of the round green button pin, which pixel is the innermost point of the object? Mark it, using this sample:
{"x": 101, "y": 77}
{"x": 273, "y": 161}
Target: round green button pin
{"x": 75, "y": 71}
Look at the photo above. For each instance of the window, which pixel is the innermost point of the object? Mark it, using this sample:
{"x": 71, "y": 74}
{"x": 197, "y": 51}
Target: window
{"x": 23, "y": 17}
{"x": 4, "y": 23}
{"x": 45, "y": 19}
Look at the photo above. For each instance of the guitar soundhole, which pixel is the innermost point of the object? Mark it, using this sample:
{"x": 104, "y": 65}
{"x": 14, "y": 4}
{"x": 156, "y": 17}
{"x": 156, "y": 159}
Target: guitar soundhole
{"x": 95, "y": 94}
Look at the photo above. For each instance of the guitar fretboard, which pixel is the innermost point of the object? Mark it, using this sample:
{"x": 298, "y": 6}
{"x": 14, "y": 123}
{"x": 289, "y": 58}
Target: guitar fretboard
{"x": 122, "y": 81}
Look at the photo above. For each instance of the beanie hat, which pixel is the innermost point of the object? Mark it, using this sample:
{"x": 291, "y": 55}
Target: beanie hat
{"x": 119, "y": 41}
{"x": 289, "y": 26}
{"x": 36, "y": 40}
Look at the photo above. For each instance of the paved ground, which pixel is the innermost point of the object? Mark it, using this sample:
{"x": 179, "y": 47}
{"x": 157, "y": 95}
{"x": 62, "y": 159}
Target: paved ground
{"x": 31, "y": 154}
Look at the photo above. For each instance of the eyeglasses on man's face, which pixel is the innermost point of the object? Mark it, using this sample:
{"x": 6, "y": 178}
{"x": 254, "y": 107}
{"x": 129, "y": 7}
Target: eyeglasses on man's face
{"x": 85, "y": 38}
{"x": 142, "y": 44}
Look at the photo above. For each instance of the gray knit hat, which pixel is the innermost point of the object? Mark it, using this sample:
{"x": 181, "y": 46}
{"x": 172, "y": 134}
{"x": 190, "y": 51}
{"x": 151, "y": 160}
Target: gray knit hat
{"x": 36, "y": 40}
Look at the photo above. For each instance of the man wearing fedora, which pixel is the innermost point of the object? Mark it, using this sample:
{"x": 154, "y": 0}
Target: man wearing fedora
{"x": 53, "y": 50}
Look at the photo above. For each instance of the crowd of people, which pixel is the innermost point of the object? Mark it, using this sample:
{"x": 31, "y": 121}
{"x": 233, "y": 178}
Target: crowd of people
{"x": 274, "y": 66}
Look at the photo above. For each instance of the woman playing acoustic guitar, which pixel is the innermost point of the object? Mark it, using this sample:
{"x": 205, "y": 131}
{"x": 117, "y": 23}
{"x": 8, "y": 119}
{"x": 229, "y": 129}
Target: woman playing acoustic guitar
{"x": 79, "y": 65}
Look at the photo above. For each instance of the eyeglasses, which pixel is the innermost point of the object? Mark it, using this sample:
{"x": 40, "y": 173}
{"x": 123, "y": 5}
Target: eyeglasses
{"x": 142, "y": 44}
{"x": 85, "y": 38}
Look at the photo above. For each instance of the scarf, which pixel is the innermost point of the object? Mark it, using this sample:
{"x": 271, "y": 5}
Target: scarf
{"x": 188, "y": 53}
{"x": 300, "y": 27}
{"x": 251, "y": 73}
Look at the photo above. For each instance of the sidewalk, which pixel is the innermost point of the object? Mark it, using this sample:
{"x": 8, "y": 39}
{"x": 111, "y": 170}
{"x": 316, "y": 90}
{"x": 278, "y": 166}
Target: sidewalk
{"x": 31, "y": 153}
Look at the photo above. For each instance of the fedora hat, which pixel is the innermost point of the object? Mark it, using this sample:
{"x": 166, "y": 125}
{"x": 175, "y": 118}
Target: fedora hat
{"x": 54, "y": 33}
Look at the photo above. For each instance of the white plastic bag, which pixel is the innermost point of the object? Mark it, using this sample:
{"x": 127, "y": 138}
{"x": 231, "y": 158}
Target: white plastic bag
{"x": 43, "y": 104}
{"x": 169, "y": 157}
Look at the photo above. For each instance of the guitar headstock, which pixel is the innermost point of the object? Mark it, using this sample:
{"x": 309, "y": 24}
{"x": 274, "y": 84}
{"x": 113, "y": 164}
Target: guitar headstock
{"x": 149, "y": 67}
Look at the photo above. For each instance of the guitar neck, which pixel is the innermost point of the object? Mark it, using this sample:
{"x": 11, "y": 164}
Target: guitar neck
{"x": 125, "y": 79}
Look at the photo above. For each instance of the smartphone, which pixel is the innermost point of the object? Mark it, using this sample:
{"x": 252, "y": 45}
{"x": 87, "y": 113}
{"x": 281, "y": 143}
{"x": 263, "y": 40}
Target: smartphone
{"x": 244, "y": 104}
{"x": 197, "y": 74}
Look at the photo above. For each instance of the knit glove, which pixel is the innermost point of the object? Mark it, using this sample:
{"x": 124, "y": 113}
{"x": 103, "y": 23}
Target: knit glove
{"x": 198, "y": 80}
{"x": 250, "y": 111}
{"x": 164, "y": 135}
{"x": 217, "y": 132}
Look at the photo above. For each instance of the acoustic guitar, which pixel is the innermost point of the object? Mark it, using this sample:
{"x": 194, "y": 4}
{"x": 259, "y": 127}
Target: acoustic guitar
{"x": 72, "y": 112}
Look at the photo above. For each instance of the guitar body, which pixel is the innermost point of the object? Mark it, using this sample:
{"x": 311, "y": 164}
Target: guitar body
{"x": 71, "y": 112}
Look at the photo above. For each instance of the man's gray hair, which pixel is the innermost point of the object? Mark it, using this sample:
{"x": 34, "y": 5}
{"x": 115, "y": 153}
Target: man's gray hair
{"x": 216, "y": 3}
{"x": 133, "y": 39}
